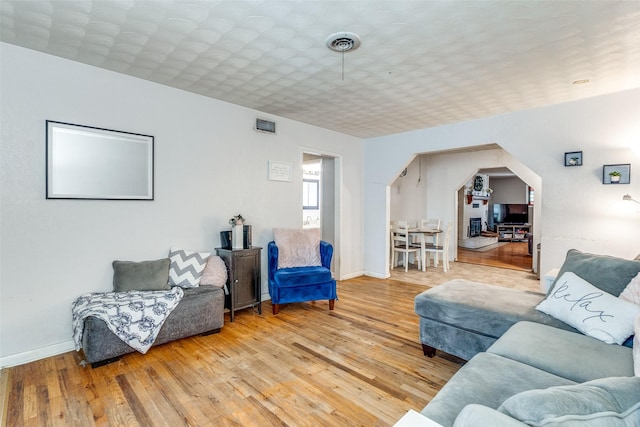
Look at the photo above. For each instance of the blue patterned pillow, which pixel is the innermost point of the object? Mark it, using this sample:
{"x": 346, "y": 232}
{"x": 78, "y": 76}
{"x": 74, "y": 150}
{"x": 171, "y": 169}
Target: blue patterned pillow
{"x": 186, "y": 267}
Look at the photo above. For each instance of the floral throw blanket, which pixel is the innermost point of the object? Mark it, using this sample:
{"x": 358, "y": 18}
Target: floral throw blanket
{"x": 134, "y": 316}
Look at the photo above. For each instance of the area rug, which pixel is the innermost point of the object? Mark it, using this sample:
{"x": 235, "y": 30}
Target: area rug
{"x": 515, "y": 279}
{"x": 488, "y": 247}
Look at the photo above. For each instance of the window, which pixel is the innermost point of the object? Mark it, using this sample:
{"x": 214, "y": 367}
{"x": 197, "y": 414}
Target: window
{"x": 310, "y": 194}
{"x": 531, "y": 195}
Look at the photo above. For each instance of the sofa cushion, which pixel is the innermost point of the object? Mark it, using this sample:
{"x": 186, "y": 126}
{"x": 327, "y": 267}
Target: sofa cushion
{"x": 215, "y": 272}
{"x": 489, "y": 380}
{"x": 186, "y": 267}
{"x": 288, "y": 277}
{"x": 613, "y": 401}
{"x": 141, "y": 276}
{"x": 297, "y": 247}
{"x": 631, "y": 292}
{"x": 605, "y": 272}
{"x": 590, "y": 310}
{"x": 563, "y": 353}
{"x": 474, "y": 415}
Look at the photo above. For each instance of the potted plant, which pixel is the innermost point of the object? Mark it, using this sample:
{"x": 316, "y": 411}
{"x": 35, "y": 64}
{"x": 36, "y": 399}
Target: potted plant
{"x": 237, "y": 220}
{"x": 614, "y": 177}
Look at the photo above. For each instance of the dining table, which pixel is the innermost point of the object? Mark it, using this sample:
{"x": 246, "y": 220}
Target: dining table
{"x": 422, "y": 233}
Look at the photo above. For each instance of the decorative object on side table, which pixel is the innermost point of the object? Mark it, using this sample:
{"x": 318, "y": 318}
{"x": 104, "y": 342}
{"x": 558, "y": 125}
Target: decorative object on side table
{"x": 616, "y": 174}
{"x": 573, "y": 158}
{"x": 237, "y": 233}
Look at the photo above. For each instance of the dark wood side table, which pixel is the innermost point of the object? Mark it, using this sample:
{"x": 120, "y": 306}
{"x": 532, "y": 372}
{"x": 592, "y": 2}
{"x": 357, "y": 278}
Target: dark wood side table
{"x": 244, "y": 281}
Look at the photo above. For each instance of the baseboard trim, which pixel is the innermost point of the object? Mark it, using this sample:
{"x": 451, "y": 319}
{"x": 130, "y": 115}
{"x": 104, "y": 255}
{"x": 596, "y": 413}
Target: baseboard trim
{"x": 37, "y": 354}
{"x": 376, "y": 275}
{"x": 352, "y": 275}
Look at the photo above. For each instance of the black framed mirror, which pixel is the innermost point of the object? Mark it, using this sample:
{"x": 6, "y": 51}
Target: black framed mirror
{"x": 85, "y": 162}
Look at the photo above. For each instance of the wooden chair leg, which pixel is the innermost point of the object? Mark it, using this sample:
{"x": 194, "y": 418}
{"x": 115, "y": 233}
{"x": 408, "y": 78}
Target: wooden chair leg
{"x": 331, "y": 303}
{"x": 276, "y": 308}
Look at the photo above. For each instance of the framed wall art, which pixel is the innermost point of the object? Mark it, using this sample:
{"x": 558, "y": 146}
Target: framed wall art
{"x": 573, "y": 158}
{"x": 280, "y": 171}
{"x": 616, "y": 174}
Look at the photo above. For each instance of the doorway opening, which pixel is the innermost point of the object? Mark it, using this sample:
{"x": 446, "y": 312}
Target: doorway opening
{"x": 496, "y": 220}
{"x": 320, "y": 199}
{"x": 433, "y": 185}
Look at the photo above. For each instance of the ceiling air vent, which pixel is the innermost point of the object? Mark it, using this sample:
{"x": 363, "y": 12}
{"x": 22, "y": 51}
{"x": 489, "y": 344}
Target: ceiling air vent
{"x": 265, "y": 126}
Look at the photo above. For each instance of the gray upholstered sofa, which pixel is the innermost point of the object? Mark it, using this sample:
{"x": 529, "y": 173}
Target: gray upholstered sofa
{"x": 201, "y": 311}
{"x": 536, "y": 374}
{"x": 520, "y": 358}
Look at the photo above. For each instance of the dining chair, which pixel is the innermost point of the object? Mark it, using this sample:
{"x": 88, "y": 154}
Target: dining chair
{"x": 444, "y": 249}
{"x": 432, "y": 241}
{"x": 401, "y": 244}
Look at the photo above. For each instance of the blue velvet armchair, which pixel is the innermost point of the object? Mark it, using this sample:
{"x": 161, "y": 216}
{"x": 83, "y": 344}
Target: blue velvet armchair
{"x": 300, "y": 284}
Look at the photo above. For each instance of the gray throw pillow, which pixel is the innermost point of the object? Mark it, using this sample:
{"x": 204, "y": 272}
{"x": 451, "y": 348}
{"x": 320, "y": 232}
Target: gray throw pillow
{"x": 141, "y": 276}
{"x": 607, "y": 273}
{"x": 613, "y": 401}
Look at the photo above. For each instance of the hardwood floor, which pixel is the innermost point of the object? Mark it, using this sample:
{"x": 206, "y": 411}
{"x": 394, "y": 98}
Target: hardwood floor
{"x": 359, "y": 365}
{"x": 514, "y": 256}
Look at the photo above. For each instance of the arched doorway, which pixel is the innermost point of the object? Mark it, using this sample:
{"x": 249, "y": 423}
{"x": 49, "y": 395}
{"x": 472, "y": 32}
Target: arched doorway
{"x": 496, "y": 220}
{"x": 430, "y": 187}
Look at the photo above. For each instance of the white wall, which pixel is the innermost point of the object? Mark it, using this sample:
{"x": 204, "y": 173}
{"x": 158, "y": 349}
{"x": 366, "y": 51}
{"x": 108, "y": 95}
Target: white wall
{"x": 210, "y": 165}
{"x": 577, "y": 210}
{"x": 408, "y": 194}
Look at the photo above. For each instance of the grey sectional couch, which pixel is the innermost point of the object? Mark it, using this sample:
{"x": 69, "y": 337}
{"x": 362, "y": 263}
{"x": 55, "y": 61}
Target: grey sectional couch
{"x": 463, "y": 318}
{"x": 521, "y": 361}
{"x": 531, "y": 363}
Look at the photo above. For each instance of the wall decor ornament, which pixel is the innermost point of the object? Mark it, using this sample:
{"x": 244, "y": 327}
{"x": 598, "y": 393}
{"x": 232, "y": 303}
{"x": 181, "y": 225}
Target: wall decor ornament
{"x": 237, "y": 241}
{"x": 573, "y": 158}
{"x": 237, "y": 232}
{"x": 280, "y": 171}
{"x": 616, "y": 174}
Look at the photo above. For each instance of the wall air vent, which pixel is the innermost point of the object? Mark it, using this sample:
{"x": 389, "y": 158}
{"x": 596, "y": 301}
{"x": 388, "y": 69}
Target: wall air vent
{"x": 265, "y": 126}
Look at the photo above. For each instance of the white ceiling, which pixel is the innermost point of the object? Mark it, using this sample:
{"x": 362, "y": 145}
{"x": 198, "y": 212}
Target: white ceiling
{"x": 421, "y": 63}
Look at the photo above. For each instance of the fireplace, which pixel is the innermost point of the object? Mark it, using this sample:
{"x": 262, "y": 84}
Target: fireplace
{"x": 475, "y": 227}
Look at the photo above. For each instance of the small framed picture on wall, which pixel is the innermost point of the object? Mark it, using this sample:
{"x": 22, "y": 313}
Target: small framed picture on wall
{"x": 573, "y": 158}
{"x": 616, "y": 174}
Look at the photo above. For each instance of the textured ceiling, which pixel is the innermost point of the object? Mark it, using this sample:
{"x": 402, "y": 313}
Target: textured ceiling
{"x": 420, "y": 64}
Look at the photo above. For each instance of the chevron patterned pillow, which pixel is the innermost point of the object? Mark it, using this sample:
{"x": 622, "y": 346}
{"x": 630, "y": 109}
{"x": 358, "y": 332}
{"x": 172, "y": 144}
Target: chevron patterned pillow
{"x": 186, "y": 267}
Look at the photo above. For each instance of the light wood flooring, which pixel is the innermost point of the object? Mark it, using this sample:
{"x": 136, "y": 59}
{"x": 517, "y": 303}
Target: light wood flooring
{"x": 513, "y": 255}
{"x": 359, "y": 365}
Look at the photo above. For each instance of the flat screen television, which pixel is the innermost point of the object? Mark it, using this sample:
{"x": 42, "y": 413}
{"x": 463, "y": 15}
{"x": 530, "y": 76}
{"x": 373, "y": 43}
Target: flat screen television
{"x": 509, "y": 213}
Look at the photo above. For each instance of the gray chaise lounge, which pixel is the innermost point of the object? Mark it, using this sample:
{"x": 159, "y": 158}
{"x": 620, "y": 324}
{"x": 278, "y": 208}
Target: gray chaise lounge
{"x": 201, "y": 311}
